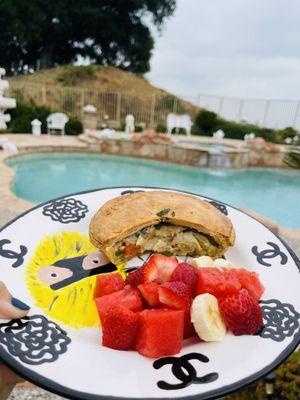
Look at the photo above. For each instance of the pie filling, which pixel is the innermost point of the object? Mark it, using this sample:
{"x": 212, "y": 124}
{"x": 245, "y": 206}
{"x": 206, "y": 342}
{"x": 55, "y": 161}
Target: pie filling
{"x": 165, "y": 239}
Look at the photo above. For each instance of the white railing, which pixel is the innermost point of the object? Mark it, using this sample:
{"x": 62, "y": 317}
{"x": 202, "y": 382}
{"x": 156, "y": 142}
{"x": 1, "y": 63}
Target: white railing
{"x": 153, "y": 109}
{"x": 265, "y": 113}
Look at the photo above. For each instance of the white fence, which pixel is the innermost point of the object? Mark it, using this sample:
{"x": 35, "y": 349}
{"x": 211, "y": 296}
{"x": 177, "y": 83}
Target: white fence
{"x": 265, "y": 113}
{"x": 153, "y": 109}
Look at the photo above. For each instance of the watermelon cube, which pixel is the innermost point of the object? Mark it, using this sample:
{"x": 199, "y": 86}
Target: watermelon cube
{"x": 129, "y": 298}
{"x": 250, "y": 281}
{"x": 107, "y": 284}
{"x": 218, "y": 283}
{"x": 160, "y": 332}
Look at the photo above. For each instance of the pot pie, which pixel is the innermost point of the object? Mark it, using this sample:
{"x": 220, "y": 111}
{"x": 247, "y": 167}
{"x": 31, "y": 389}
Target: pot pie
{"x": 164, "y": 222}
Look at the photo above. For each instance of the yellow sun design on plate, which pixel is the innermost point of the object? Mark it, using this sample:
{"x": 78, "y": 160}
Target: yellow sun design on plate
{"x": 73, "y": 304}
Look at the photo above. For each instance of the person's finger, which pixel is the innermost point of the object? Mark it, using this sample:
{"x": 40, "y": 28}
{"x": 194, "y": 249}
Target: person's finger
{"x": 8, "y": 377}
{"x": 10, "y": 307}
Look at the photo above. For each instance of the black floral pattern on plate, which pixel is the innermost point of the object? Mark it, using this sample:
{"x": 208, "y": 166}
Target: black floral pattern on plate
{"x": 220, "y": 207}
{"x": 66, "y": 210}
{"x": 272, "y": 252}
{"x": 281, "y": 320}
{"x": 184, "y": 371}
{"x": 34, "y": 340}
{"x": 11, "y": 254}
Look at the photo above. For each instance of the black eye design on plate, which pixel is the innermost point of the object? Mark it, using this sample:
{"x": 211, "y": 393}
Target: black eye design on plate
{"x": 220, "y": 207}
{"x": 269, "y": 253}
{"x": 34, "y": 340}
{"x": 66, "y": 210}
{"x": 184, "y": 371}
{"x": 13, "y": 255}
{"x": 281, "y": 320}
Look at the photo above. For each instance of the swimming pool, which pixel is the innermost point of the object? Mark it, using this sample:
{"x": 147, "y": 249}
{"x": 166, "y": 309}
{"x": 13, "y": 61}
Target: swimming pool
{"x": 271, "y": 192}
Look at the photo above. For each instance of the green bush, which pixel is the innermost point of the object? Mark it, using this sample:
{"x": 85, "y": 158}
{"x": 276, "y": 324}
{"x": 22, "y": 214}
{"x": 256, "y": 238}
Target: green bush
{"x": 23, "y": 114}
{"x": 206, "y": 122}
{"x": 138, "y": 128}
{"x": 73, "y": 127}
{"x": 72, "y": 75}
{"x": 292, "y": 159}
{"x": 161, "y": 128}
{"x": 286, "y": 387}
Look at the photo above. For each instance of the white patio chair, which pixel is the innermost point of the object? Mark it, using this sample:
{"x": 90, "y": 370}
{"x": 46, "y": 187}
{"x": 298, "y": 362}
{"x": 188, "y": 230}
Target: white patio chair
{"x": 57, "y": 122}
{"x": 179, "y": 121}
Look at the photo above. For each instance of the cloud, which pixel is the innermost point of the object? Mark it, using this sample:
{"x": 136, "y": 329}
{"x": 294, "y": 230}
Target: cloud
{"x": 246, "y": 48}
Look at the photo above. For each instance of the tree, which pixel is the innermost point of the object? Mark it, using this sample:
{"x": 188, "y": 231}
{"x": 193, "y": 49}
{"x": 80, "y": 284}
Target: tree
{"x": 38, "y": 34}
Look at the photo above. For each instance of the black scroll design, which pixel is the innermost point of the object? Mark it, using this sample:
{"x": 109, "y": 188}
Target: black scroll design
{"x": 220, "y": 207}
{"x": 269, "y": 253}
{"x": 184, "y": 371}
{"x": 281, "y": 320}
{"x": 130, "y": 192}
{"x": 34, "y": 340}
{"x": 66, "y": 210}
{"x": 13, "y": 255}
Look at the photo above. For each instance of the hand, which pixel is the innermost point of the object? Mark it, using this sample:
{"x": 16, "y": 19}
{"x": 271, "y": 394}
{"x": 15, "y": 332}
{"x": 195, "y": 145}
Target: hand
{"x": 10, "y": 308}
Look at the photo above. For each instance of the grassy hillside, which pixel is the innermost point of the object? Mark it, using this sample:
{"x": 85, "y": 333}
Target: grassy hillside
{"x": 103, "y": 79}
{"x": 114, "y": 92}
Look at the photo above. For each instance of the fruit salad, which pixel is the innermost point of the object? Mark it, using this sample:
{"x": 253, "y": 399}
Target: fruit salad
{"x": 166, "y": 301}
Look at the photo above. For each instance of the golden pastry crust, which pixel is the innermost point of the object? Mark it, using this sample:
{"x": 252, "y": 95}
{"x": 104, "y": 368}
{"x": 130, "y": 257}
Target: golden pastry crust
{"x": 125, "y": 215}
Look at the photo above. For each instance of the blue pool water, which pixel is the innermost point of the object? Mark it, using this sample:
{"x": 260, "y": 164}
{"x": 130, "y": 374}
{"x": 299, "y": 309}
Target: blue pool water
{"x": 271, "y": 192}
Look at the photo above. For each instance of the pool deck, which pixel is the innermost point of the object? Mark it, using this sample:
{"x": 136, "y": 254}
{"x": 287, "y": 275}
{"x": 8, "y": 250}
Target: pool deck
{"x": 11, "y": 206}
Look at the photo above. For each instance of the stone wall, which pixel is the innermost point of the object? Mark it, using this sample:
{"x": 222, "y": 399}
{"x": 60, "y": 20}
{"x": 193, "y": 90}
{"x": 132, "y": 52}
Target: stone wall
{"x": 237, "y": 158}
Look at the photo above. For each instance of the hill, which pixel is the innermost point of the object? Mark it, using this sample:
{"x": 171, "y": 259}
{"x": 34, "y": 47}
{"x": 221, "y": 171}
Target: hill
{"x": 101, "y": 78}
{"x": 112, "y": 91}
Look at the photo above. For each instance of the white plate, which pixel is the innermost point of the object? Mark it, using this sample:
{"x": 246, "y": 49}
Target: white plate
{"x": 62, "y": 353}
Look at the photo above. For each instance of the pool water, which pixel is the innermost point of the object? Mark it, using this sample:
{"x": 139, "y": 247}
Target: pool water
{"x": 274, "y": 193}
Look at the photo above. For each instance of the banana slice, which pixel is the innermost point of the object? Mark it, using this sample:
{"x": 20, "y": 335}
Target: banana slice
{"x": 206, "y": 318}
{"x": 202, "y": 262}
{"x": 221, "y": 263}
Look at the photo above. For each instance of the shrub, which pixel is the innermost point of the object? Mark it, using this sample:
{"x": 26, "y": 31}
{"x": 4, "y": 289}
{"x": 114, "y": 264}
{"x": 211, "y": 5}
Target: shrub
{"x": 23, "y": 114}
{"x": 161, "y": 128}
{"x": 72, "y": 75}
{"x": 73, "y": 127}
{"x": 138, "y": 128}
{"x": 206, "y": 122}
{"x": 286, "y": 387}
{"x": 292, "y": 159}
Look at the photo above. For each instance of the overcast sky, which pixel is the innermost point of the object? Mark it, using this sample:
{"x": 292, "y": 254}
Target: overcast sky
{"x": 245, "y": 48}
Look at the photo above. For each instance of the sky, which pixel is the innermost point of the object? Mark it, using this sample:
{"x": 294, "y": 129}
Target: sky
{"x": 234, "y": 48}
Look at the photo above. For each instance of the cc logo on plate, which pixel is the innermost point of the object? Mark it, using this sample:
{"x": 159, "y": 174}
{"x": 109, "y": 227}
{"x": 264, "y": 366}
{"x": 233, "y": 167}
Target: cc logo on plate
{"x": 269, "y": 253}
{"x": 184, "y": 371}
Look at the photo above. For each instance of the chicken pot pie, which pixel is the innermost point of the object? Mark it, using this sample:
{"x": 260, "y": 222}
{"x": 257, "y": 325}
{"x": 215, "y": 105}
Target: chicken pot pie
{"x": 164, "y": 222}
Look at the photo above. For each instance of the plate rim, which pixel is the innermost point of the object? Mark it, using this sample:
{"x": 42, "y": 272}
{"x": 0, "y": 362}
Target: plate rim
{"x": 61, "y": 390}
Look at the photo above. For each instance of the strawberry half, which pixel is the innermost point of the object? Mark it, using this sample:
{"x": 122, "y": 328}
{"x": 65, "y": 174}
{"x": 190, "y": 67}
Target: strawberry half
{"x": 159, "y": 268}
{"x": 241, "y": 313}
{"x": 120, "y": 328}
{"x": 150, "y": 292}
{"x": 135, "y": 278}
{"x": 187, "y": 274}
{"x": 175, "y": 295}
